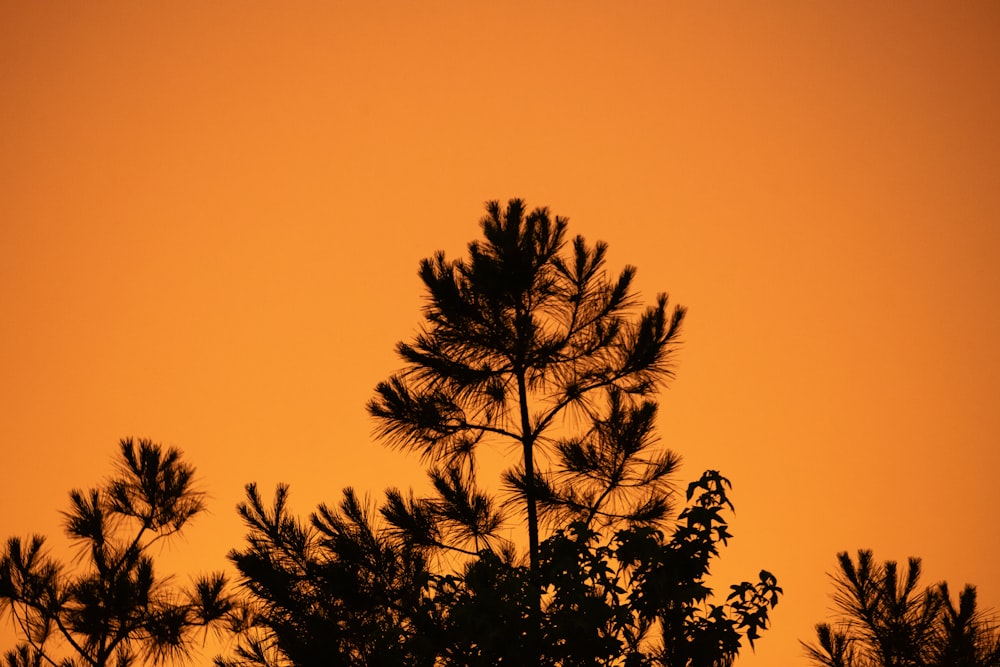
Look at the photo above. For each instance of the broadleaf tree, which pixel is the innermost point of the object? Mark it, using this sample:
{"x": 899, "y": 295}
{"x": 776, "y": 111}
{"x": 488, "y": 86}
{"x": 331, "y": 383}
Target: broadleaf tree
{"x": 113, "y": 607}
{"x": 527, "y": 342}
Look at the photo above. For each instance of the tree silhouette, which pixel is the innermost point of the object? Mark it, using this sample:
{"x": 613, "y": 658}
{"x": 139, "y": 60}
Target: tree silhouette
{"x": 637, "y": 598}
{"x": 336, "y": 591}
{"x": 113, "y": 609}
{"x": 349, "y": 588}
{"x": 888, "y": 621}
{"x": 526, "y": 342}
{"x": 516, "y": 336}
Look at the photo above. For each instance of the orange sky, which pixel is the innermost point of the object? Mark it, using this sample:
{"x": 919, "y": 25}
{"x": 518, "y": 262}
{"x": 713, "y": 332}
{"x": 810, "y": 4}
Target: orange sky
{"x": 211, "y": 216}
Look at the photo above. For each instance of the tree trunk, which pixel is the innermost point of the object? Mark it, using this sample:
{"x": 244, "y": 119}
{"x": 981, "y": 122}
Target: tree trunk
{"x": 527, "y": 443}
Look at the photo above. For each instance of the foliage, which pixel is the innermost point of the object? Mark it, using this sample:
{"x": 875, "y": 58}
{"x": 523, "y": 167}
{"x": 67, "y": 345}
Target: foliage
{"x": 637, "y": 598}
{"x": 351, "y": 589}
{"x": 888, "y": 621}
{"x": 338, "y": 591}
{"x": 114, "y": 608}
{"x": 526, "y": 343}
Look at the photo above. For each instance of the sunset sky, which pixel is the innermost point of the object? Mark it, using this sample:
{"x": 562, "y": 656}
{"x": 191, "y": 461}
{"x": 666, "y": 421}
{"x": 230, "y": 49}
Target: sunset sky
{"x": 211, "y": 216}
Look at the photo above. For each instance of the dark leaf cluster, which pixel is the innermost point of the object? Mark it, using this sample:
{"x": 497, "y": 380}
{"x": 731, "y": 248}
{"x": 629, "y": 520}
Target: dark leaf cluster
{"x": 351, "y": 589}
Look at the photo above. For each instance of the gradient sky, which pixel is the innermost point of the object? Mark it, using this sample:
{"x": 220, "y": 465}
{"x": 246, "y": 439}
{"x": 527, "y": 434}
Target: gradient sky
{"x": 211, "y": 215}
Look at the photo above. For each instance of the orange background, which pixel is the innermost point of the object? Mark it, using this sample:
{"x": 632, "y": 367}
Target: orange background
{"x": 211, "y": 216}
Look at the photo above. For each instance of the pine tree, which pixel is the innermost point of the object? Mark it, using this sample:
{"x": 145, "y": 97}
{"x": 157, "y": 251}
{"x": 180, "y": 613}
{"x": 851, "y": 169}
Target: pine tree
{"x": 113, "y": 608}
{"x": 887, "y": 620}
{"x": 519, "y": 335}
